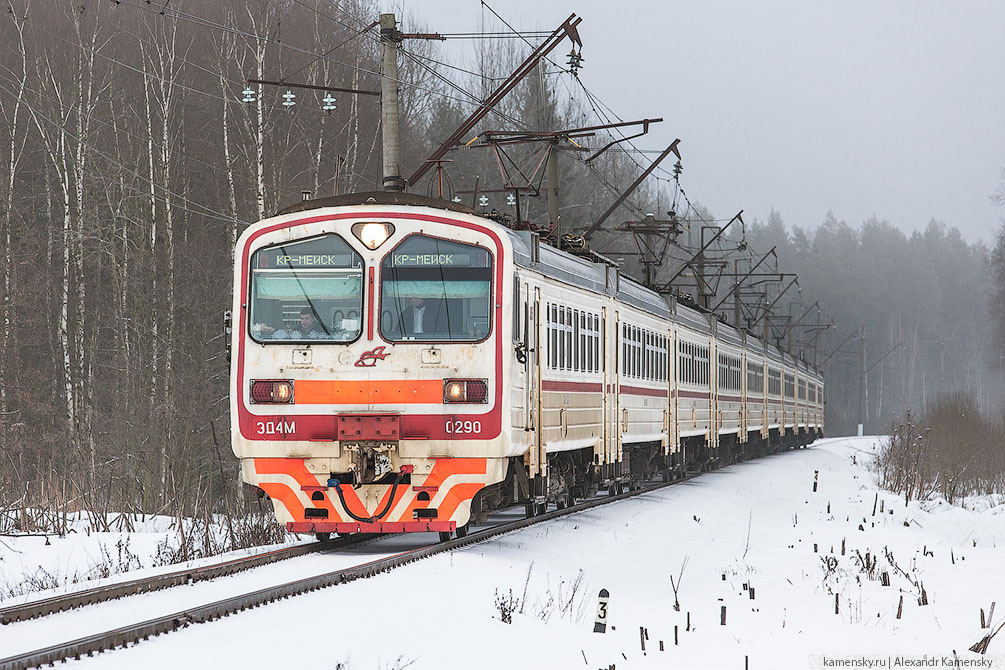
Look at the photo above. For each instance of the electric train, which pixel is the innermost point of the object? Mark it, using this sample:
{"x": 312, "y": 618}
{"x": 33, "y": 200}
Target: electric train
{"x": 404, "y": 364}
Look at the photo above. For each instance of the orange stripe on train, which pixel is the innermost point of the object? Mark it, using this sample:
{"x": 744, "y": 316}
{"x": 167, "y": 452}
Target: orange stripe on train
{"x": 295, "y": 468}
{"x": 442, "y": 469}
{"x": 331, "y": 392}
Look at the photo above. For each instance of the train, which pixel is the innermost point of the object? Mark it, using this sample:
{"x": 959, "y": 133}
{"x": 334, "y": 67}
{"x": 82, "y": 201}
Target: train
{"x": 401, "y": 363}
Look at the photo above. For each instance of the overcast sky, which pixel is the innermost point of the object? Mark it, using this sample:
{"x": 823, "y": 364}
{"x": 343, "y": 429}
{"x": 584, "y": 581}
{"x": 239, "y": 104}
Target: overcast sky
{"x": 892, "y": 108}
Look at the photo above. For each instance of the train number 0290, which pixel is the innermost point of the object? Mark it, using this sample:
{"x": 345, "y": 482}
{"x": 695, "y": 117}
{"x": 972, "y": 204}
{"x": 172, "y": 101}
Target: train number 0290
{"x": 463, "y": 427}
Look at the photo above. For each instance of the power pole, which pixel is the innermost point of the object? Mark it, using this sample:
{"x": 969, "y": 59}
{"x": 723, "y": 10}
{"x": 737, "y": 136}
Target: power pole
{"x": 551, "y": 169}
{"x": 389, "y": 38}
{"x": 567, "y": 29}
{"x": 766, "y": 315}
{"x": 700, "y": 256}
{"x": 861, "y": 383}
{"x": 645, "y": 173}
{"x": 552, "y": 175}
{"x": 738, "y": 282}
{"x": 702, "y": 298}
{"x": 736, "y": 296}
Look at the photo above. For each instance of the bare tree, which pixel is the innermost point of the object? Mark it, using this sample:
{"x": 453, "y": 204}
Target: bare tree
{"x": 17, "y": 139}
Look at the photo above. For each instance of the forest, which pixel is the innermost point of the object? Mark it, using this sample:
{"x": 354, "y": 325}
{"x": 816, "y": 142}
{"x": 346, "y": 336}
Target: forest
{"x": 132, "y": 156}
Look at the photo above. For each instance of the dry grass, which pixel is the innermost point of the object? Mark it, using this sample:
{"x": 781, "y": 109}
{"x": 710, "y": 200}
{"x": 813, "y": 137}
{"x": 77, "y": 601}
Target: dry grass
{"x": 952, "y": 451}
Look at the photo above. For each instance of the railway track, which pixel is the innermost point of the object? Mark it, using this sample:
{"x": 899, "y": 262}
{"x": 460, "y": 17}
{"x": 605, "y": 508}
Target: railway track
{"x": 69, "y": 601}
{"x": 132, "y": 634}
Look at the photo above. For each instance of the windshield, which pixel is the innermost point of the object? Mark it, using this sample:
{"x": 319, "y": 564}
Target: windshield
{"x": 436, "y": 290}
{"x": 307, "y": 290}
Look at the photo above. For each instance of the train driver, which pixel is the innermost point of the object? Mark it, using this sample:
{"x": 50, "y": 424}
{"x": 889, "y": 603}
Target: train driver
{"x": 421, "y": 319}
{"x": 306, "y": 329}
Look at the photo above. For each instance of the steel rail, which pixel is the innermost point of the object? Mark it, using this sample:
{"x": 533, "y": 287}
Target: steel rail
{"x": 122, "y": 637}
{"x": 100, "y": 594}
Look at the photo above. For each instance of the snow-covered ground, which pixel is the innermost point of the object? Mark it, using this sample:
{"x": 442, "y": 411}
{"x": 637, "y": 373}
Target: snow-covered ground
{"x": 36, "y": 566}
{"x": 758, "y": 526}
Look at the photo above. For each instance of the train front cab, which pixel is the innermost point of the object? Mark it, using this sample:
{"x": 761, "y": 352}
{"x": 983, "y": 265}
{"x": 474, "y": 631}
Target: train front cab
{"x": 385, "y": 418}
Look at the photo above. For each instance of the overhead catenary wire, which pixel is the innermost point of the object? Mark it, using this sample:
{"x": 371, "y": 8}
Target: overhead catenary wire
{"x": 592, "y": 169}
{"x": 368, "y": 174}
{"x": 469, "y": 97}
{"x": 523, "y": 34}
{"x": 211, "y": 166}
{"x": 182, "y": 16}
{"x": 600, "y": 111}
{"x": 326, "y": 53}
{"x": 603, "y": 112}
{"x": 590, "y": 98}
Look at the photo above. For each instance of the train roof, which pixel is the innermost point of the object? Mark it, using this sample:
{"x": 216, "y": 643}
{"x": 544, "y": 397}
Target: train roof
{"x": 528, "y": 252}
{"x": 378, "y": 198}
{"x": 693, "y": 319}
{"x": 728, "y": 334}
{"x": 772, "y": 353}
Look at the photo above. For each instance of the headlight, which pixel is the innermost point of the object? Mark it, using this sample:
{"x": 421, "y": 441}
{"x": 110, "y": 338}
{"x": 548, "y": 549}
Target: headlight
{"x": 271, "y": 391}
{"x": 465, "y": 390}
{"x": 372, "y": 234}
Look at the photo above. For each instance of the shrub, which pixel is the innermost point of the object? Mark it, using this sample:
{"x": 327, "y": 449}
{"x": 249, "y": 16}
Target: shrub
{"x": 952, "y": 451}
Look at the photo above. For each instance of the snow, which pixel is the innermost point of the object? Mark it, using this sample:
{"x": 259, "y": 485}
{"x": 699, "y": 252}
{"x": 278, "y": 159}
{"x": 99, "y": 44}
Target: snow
{"x": 755, "y": 523}
{"x": 83, "y": 559}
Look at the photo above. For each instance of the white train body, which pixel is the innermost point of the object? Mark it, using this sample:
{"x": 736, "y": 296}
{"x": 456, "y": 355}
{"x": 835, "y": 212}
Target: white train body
{"x": 459, "y": 365}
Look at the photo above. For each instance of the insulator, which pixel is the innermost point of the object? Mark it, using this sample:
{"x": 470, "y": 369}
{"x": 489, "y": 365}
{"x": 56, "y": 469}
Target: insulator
{"x": 510, "y": 199}
{"x": 329, "y": 102}
{"x": 575, "y": 61}
{"x": 289, "y": 99}
{"x": 249, "y": 95}
{"x": 483, "y": 201}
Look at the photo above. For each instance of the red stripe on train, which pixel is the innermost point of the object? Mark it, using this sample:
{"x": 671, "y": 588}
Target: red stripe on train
{"x": 585, "y": 387}
{"x": 639, "y": 390}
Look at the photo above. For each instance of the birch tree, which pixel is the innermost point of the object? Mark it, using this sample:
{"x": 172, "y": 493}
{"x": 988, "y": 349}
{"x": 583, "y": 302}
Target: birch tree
{"x": 65, "y": 128}
{"x": 162, "y": 69}
{"x": 16, "y": 138}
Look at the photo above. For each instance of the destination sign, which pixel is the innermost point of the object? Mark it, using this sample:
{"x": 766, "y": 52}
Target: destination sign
{"x": 278, "y": 259}
{"x": 327, "y": 251}
{"x": 418, "y": 251}
{"x": 480, "y": 259}
{"x": 432, "y": 259}
{"x": 313, "y": 260}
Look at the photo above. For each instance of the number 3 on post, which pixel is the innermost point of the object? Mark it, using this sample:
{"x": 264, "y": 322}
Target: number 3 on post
{"x": 600, "y": 626}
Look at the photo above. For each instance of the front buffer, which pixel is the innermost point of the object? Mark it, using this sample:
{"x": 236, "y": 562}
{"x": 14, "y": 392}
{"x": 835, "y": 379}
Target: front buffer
{"x": 422, "y": 495}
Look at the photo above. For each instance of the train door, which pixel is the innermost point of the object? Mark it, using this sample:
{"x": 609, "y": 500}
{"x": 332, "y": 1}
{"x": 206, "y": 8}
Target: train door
{"x": 741, "y": 435}
{"x": 615, "y": 393}
{"x": 529, "y": 355}
{"x": 674, "y": 372}
{"x": 535, "y": 381}
{"x": 532, "y": 382}
{"x": 715, "y": 415}
{"x": 671, "y": 417}
{"x": 605, "y": 369}
{"x": 611, "y": 345}
{"x": 765, "y": 380}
